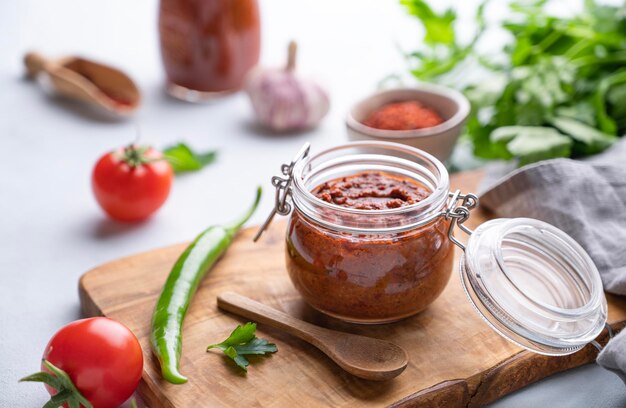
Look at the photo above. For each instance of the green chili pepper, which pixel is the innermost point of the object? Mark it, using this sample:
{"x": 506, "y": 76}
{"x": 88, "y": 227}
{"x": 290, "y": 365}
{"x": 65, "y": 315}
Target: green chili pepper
{"x": 181, "y": 285}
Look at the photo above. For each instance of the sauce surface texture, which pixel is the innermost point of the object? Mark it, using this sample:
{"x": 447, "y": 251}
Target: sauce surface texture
{"x": 371, "y": 191}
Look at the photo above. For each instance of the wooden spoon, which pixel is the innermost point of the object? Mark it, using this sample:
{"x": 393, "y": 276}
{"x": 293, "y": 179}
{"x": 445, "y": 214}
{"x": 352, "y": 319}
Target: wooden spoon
{"x": 86, "y": 81}
{"x": 364, "y": 357}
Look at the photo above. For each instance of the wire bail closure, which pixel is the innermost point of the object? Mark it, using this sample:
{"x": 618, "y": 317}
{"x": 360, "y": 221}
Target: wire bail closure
{"x": 459, "y": 214}
{"x": 282, "y": 184}
{"x": 611, "y": 334}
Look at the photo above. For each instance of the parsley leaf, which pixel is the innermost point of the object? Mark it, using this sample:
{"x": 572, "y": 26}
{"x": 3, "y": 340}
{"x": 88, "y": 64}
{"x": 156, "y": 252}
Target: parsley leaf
{"x": 589, "y": 139}
{"x": 532, "y": 143}
{"x": 438, "y": 27}
{"x": 183, "y": 159}
{"x": 242, "y": 341}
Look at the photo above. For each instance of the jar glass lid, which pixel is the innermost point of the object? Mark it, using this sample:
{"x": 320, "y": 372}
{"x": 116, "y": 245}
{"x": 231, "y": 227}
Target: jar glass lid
{"x": 534, "y": 285}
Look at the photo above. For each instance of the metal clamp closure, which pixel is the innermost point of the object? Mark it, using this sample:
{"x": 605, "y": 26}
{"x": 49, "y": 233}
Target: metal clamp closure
{"x": 282, "y": 184}
{"x": 459, "y": 213}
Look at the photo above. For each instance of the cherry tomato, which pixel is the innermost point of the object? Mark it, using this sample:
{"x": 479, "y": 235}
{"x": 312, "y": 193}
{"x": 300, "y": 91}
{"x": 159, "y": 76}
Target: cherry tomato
{"x": 101, "y": 356}
{"x": 131, "y": 183}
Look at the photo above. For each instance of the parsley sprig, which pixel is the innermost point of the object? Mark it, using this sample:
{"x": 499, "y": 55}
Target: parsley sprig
{"x": 243, "y": 341}
{"x": 557, "y": 88}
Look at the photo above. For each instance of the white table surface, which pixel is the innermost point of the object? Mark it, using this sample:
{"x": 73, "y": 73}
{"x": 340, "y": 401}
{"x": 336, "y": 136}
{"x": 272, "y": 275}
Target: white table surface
{"x": 52, "y": 230}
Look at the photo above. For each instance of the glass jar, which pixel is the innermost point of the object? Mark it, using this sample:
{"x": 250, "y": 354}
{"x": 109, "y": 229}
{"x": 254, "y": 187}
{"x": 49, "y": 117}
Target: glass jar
{"x": 369, "y": 266}
{"x": 531, "y": 282}
{"x": 208, "y": 46}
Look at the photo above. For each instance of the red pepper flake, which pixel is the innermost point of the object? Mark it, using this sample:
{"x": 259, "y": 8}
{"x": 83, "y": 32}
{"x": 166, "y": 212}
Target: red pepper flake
{"x": 406, "y": 115}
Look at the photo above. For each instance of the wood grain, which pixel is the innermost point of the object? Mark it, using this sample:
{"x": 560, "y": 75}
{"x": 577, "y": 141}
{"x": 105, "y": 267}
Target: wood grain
{"x": 455, "y": 359}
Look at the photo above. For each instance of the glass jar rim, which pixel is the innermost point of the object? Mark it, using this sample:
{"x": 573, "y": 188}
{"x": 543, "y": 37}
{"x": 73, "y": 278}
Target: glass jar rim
{"x": 418, "y": 214}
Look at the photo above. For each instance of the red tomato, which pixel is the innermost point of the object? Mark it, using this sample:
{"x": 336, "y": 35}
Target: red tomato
{"x": 131, "y": 183}
{"x": 102, "y": 357}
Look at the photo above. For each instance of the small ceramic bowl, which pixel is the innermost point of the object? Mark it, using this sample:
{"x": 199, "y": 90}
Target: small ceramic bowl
{"x": 438, "y": 140}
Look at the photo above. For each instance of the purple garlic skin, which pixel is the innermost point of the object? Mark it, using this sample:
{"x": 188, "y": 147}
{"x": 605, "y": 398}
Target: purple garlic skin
{"x": 282, "y": 101}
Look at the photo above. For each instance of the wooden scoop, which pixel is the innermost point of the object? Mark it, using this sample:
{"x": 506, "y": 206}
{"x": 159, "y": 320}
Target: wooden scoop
{"x": 364, "y": 357}
{"x": 86, "y": 81}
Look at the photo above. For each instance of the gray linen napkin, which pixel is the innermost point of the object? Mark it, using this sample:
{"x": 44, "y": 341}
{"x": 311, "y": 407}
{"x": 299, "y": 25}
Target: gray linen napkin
{"x": 587, "y": 200}
{"x": 613, "y": 356}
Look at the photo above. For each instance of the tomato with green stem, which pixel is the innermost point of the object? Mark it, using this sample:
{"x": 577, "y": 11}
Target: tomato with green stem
{"x": 131, "y": 183}
{"x": 94, "y": 363}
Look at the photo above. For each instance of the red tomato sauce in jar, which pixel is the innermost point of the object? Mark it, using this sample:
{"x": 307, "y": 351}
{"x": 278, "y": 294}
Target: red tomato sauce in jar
{"x": 209, "y": 45}
{"x": 369, "y": 278}
{"x": 371, "y": 191}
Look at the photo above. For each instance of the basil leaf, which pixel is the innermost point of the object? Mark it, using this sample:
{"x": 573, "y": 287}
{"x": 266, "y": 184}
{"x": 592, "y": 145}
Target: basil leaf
{"x": 183, "y": 159}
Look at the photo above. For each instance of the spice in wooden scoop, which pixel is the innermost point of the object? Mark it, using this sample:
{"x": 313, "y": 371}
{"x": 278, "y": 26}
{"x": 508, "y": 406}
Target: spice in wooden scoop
{"x": 86, "y": 81}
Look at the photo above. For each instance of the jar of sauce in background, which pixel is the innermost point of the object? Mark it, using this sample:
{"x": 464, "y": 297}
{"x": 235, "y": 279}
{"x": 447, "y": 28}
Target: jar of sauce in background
{"x": 208, "y": 46}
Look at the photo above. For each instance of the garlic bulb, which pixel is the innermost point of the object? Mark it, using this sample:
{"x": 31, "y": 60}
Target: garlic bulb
{"x": 282, "y": 100}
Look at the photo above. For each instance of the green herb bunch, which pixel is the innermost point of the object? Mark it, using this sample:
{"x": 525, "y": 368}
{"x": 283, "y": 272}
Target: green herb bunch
{"x": 556, "y": 89}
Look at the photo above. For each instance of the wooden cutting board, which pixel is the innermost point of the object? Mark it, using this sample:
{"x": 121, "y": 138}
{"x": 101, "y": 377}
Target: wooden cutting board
{"x": 456, "y": 360}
